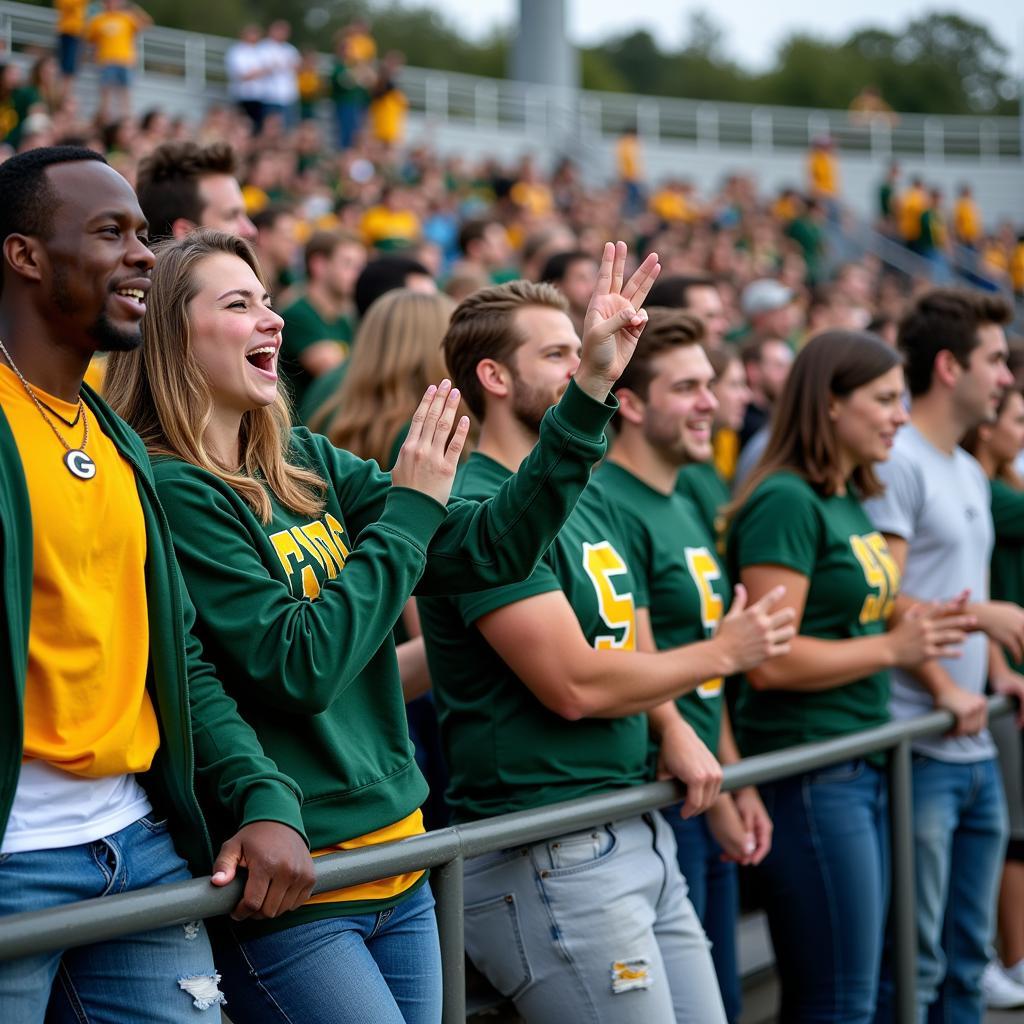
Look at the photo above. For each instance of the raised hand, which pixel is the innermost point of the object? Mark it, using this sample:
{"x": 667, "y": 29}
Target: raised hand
{"x": 428, "y": 460}
{"x": 614, "y": 320}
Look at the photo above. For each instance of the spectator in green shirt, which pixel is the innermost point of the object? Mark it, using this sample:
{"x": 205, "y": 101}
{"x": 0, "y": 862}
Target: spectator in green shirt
{"x": 318, "y": 325}
{"x": 799, "y": 523}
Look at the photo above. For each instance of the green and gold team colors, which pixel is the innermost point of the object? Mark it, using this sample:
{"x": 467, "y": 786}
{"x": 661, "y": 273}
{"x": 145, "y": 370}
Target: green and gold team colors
{"x": 688, "y": 591}
{"x": 1007, "y": 581}
{"x": 853, "y": 584}
{"x": 505, "y": 749}
{"x": 304, "y": 326}
{"x": 297, "y": 613}
{"x": 704, "y": 486}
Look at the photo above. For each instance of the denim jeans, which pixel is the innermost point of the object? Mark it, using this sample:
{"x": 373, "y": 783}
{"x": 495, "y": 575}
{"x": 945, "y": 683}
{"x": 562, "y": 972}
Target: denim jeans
{"x": 960, "y": 831}
{"x": 382, "y": 968}
{"x": 592, "y": 927}
{"x": 164, "y": 976}
{"x": 714, "y": 892}
{"x": 825, "y": 885}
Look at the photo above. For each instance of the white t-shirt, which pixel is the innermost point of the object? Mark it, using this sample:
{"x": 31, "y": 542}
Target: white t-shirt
{"x": 941, "y": 505}
{"x": 281, "y": 86}
{"x": 241, "y": 60}
{"x": 54, "y": 809}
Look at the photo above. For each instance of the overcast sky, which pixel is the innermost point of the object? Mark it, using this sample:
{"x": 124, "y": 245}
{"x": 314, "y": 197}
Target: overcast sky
{"x": 751, "y": 35}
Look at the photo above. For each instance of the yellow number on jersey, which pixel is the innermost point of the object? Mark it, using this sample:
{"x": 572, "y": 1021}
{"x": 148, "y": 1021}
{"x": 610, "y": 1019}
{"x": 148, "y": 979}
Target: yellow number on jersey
{"x": 601, "y": 562}
{"x": 704, "y": 570}
{"x": 880, "y": 572}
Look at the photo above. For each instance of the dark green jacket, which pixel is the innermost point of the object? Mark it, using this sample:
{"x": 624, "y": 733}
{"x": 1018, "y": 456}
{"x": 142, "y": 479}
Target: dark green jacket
{"x": 318, "y": 679}
{"x": 204, "y": 744}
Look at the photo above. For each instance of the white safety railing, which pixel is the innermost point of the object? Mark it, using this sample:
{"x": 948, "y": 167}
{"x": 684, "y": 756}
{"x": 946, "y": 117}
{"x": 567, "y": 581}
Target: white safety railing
{"x": 543, "y": 113}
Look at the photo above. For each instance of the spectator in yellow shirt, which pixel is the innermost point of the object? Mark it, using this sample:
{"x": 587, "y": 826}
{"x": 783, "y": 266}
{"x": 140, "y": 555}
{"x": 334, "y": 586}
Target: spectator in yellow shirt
{"x": 966, "y": 219}
{"x": 391, "y": 224}
{"x": 823, "y": 172}
{"x": 389, "y": 104}
{"x": 671, "y": 205}
{"x": 1017, "y": 267}
{"x": 70, "y": 30}
{"x": 912, "y": 204}
{"x": 112, "y": 34}
{"x": 630, "y": 167}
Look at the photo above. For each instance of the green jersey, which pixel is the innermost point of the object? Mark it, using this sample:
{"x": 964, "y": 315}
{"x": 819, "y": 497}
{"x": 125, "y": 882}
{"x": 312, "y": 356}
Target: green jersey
{"x": 304, "y": 327}
{"x": 704, "y": 486}
{"x": 853, "y": 584}
{"x": 506, "y": 751}
{"x": 1007, "y": 579}
{"x": 672, "y": 551}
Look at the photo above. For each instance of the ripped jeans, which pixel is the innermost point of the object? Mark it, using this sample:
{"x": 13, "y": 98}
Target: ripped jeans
{"x": 592, "y": 927}
{"x": 165, "y": 976}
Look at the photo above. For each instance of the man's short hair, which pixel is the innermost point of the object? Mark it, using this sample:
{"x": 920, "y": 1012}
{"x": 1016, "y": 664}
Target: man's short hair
{"x": 557, "y": 266}
{"x": 674, "y": 292}
{"x": 945, "y": 319}
{"x": 268, "y": 217}
{"x": 472, "y": 231}
{"x": 666, "y": 329}
{"x": 483, "y": 327}
{"x": 323, "y": 244}
{"x": 383, "y": 275}
{"x": 168, "y": 182}
{"x": 29, "y": 200}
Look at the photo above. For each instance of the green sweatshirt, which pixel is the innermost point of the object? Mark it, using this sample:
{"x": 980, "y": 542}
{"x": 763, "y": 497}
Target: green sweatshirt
{"x": 305, "y": 648}
{"x": 204, "y": 744}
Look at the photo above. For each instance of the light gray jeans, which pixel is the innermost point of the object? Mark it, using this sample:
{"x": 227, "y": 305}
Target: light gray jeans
{"x": 593, "y": 926}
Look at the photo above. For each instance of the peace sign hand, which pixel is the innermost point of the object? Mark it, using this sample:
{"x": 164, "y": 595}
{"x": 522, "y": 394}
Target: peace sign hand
{"x": 614, "y": 320}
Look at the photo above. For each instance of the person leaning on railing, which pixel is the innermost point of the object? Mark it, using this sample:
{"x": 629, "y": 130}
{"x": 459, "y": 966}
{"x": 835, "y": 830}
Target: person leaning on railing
{"x": 300, "y": 558}
{"x": 544, "y": 696}
{"x": 798, "y": 523}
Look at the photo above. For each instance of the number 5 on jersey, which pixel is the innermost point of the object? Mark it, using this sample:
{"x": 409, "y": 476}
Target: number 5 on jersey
{"x": 704, "y": 570}
{"x": 602, "y": 562}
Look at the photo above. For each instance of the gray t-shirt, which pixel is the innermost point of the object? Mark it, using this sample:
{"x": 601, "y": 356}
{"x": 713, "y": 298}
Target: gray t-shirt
{"x": 940, "y": 505}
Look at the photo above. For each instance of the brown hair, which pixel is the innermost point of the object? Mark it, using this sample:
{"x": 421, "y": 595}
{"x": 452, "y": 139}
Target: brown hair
{"x": 946, "y": 319}
{"x": 483, "y": 327}
{"x": 167, "y": 182}
{"x": 324, "y": 243}
{"x": 396, "y": 355}
{"x": 972, "y": 440}
{"x": 666, "y": 329}
{"x": 832, "y": 364}
{"x": 160, "y": 389}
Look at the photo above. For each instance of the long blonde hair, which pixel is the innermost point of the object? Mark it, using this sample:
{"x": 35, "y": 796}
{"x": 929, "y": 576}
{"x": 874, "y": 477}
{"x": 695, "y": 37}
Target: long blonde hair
{"x": 395, "y": 356}
{"x": 165, "y": 396}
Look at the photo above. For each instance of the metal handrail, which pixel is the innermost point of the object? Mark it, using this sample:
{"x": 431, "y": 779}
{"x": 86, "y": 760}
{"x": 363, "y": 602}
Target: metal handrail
{"x": 110, "y": 916}
{"x": 198, "y": 61}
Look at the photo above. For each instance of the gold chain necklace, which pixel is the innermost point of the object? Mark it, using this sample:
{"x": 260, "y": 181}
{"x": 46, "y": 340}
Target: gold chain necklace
{"x": 78, "y": 464}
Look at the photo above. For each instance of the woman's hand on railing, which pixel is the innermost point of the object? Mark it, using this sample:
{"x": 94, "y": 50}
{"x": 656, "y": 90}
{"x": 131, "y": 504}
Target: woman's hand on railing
{"x": 684, "y": 757}
{"x": 281, "y": 874}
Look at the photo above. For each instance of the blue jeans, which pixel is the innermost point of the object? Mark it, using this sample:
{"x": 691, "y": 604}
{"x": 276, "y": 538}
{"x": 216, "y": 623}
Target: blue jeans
{"x": 164, "y": 976}
{"x": 592, "y": 926}
{"x": 715, "y": 895}
{"x": 826, "y": 891}
{"x": 348, "y": 116}
{"x": 960, "y": 831}
{"x": 382, "y": 968}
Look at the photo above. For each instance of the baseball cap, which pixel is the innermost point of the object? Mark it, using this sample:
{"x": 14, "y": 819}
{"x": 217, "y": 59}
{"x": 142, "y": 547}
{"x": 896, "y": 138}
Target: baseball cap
{"x": 764, "y": 296}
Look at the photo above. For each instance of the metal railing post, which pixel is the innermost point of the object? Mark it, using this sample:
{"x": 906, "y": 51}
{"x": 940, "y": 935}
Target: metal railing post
{"x": 447, "y": 882}
{"x": 903, "y": 901}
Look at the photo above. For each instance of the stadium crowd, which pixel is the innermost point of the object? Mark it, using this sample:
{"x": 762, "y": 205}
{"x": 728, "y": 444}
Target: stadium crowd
{"x": 396, "y": 495}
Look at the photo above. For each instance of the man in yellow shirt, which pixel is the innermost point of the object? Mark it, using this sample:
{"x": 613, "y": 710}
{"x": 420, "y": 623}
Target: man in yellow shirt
{"x": 112, "y": 716}
{"x": 112, "y": 33}
{"x": 70, "y": 29}
{"x": 966, "y": 218}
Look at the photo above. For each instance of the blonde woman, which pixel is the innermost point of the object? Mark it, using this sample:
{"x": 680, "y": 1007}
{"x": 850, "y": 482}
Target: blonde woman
{"x": 396, "y": 356}
{"x": 300, "y": 558}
